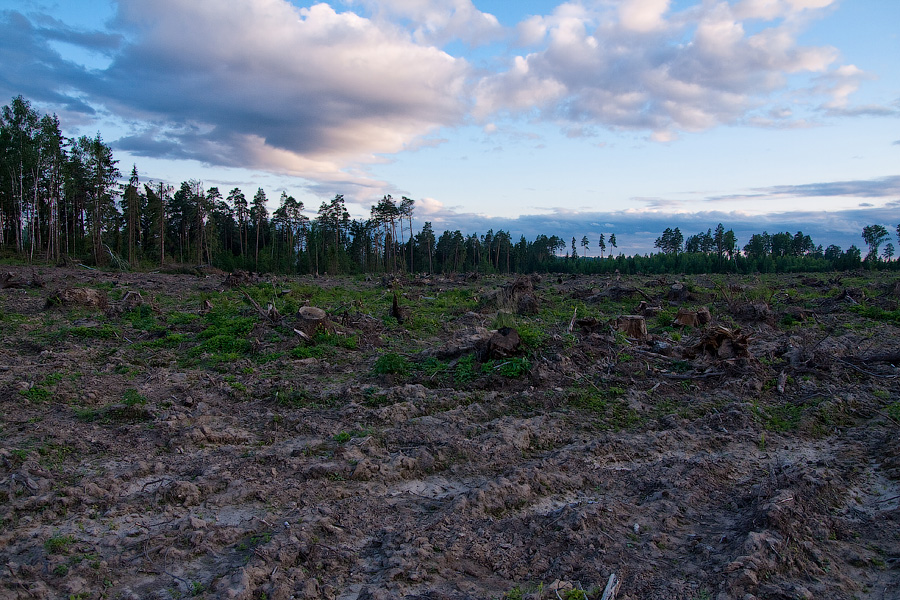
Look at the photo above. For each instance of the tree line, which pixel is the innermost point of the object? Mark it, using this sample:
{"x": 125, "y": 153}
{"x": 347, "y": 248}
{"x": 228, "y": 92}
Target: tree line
{"x": 65, "y": 197}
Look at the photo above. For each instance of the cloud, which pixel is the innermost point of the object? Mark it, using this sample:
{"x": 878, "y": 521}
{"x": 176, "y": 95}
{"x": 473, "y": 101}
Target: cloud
{"x": 883, "y": 187}
{"x": 643, "y": 15}
{"x": 439, "y": 21}
{"x": 640, "y": 66}
{"x": 306, "y": 91}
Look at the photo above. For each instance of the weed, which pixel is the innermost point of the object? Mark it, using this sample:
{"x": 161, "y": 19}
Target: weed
{"x": 53, "y": 455}
{"x": 103, "y": 332}
{"x": 170, "y": 340}
{"x": 60, "y": 570}
{"x": 503, "y": 319}
{"x": 196, "y": 588}
{"x": 303, "y": 352}
{"x": 181, "y": 318}
{"x": 532, "y": 337}
{"x": 893, "y": 411}
{"x": 143, "y": 319}
{"x": 391, "y": 363}
{"x": 433, "y": 367}
{"x": 614, "y": 413}
{"x": 512, "y": 368}
{"x": 37, "y": 394}
{"x": 131, "y": 397}
{"x": 877, "y": 314}
{"x": 345, "y": 436}
{"x": 58, "y": 544}
{"x": 466, "y": 370}
{"x": 515, "y": 593}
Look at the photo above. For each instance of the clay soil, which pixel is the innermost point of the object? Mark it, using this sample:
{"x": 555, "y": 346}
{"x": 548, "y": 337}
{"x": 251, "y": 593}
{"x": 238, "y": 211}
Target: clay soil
{"x": 165, "y": 435}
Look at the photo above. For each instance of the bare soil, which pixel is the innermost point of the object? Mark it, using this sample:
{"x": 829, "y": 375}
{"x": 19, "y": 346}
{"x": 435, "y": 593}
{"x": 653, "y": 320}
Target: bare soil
{"x": 401, "y": 452}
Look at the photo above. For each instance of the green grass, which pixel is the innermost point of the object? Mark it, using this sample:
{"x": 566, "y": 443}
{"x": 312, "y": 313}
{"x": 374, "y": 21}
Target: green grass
{"x": 58, "y": 544}
{"x": 181, "y": 318}
{"x": 466, "y": 370}
{"x": 131, "y": 397}
{"x": 103, "y": 332}
{"x": 893, "y": 410}
{"x": 37, "y": 394}
{"x": 391, "y": 363}
{"x": 877, "y": 314}
{"x": 512, "y": 367}
{"x": 609, "y": 408}
{"x": 170, "y": 340}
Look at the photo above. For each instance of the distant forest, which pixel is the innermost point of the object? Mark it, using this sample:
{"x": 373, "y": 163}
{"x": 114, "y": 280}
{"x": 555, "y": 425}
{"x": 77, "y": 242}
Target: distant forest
{"x": 65, "y": 198}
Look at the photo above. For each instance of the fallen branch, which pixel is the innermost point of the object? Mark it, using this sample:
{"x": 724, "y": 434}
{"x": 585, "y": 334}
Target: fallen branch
{"x": 612, "y": 588}
{"x": 272, "y": 315}
{"x": 690, "y": 376}
{"x": 865, "y": 372}
{"x": 878, "y": 358}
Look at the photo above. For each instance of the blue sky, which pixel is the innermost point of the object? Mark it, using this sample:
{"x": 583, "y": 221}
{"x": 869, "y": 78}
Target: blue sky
{"x": 577, "y": 118}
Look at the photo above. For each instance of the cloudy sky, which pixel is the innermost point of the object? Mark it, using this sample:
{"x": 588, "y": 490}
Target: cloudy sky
{"x": 575, "y": 118}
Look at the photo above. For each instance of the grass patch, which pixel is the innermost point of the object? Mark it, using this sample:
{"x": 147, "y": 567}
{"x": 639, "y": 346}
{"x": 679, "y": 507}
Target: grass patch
{"x": 512, "y": 367}
{"x": 58, "y": 544}
{"x": 466, "y": 370}
{"x": 609, "y": 407}
{"x": 391, "y": 363}
{"x": 877, "y": 314}
{"x": 131, "y": 397}
{"x": 103, "y": 332}
{"x": 893, "y": 411}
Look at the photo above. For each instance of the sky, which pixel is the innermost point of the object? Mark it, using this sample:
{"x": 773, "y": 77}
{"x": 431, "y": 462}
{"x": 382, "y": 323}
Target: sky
{"x": 570, "y": 119}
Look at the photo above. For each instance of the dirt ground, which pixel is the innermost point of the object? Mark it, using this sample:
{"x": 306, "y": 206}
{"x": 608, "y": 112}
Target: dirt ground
{"x": 169, "y": 435}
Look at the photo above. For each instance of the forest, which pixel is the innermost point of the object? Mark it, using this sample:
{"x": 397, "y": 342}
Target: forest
{"x": 66, "y": 199}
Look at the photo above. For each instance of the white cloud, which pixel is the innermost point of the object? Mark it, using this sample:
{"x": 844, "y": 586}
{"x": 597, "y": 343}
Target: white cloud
{"x": 643, "y": 15}
{"x": 306, "y": 91}
{"x": 637, "y": 65}
{"x": 439, "y": 21}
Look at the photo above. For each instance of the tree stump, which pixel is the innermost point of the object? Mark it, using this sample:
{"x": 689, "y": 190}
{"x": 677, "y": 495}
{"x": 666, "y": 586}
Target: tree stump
{"x": 703, "y": 315}
{"x": 687, "y": 318}
{"x": 311, "y": 319}
{"x": 678, "y": 292}
{"x": 634, "y": 326}
{"x": 88, "y": 297}
{"x": 504, "y": 343}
